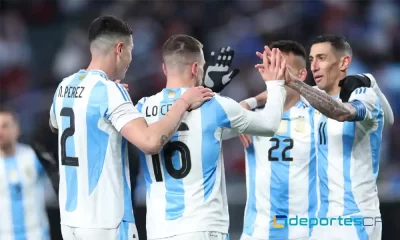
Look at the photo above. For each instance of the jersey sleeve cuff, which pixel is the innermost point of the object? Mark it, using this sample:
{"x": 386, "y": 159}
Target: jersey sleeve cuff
{"x": 361, "y": 111}
{"x": 274, "y": 83}
{"x": 53, "y": 123}
{"x": 124, "y": 119}
{"x": 252, "y": 102}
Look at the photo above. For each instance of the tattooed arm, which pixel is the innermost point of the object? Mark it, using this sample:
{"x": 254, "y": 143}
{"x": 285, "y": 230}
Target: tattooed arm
{"x": 151, "y": 138}
{"x": 324, "y": 103}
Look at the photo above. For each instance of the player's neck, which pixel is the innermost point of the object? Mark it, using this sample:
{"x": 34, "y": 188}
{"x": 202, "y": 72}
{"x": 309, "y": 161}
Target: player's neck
{"x": 8, "y": 151}
{"x": 178, "y": 82}
{"x": 291, "y": 100}
{"x": 102, "y": 66}
{"x": 335, "y": 89}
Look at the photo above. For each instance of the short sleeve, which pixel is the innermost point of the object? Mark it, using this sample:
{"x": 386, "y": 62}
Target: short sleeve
{"x": 140, "y": 103}
{"x": 118, "y": 108}
{"x": 53, "y": 119}
{"x": 366, "y": 103}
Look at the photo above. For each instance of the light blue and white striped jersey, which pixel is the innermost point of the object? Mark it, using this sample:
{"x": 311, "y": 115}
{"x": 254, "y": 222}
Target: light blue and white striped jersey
{"x": 281, "y": 177}
{"x": 185, "y": 182}
{"x": 348, "y": 158}
{"x": 22, "y": 197}
{"x": 89, "y": 110}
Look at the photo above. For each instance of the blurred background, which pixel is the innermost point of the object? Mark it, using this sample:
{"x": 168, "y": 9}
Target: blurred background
{"x": 43, "y": 41}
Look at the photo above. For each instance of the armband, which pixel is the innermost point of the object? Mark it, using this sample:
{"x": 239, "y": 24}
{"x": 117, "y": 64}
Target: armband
{"x": 361, "y": 111}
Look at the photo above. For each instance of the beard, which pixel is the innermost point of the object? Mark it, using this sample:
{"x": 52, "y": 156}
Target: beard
{"x": 199, "y": 78}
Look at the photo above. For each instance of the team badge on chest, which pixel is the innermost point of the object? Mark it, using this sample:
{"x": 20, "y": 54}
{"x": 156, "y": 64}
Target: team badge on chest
{"x": 300, "y": 125}
{"x": 171, "y": 94}
{"x": 13, "y": 176}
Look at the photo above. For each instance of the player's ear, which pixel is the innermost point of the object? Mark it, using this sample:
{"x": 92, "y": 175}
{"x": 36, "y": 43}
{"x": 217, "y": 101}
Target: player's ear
{"x": 303, "y": 74}
{"x": 164, "y": 68}
{"x": 195, "y": 66}
{"x": 119, "y": 47}
{"x": 345, "y": 63}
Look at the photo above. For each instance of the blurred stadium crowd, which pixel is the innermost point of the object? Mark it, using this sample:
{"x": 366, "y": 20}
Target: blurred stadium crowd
{"x": 42, "y": 41}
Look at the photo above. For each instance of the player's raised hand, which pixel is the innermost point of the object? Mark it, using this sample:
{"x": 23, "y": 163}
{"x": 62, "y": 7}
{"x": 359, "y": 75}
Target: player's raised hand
{"x": 217, "y": 70}
{"x": 126, "y": 86}
{"x": 245, "y": 139}
{"x": 289, "y": 76}
{"x": 273, "y": 66}
{"x": 196, "y": 96}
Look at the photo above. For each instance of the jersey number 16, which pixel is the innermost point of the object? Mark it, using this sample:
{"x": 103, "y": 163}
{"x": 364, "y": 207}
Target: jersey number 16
{"x": 169, "y": 150}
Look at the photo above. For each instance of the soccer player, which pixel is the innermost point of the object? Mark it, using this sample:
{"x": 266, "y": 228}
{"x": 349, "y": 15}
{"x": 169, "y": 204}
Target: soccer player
{"x": 22, "y": 203}
{"x": 281, "y": 170}
{"x": 348, "y": 145}
{"x": 95, "y": 118}
{"x": 186, "y": 193}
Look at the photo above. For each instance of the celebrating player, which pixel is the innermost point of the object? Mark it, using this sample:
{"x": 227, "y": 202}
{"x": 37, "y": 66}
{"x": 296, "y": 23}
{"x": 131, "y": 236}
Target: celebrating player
{"x": 23, "y": 211}
{"x": 186, "y": 193}
{"x": 281, "y": 170}
{"x": 94, "y": 116}
{"x": 348, "y": 144}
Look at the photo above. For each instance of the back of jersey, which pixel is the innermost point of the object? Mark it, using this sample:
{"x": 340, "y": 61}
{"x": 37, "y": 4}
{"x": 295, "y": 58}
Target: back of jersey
{"x": 94, "y": 190}
{"x": 186, "y": 181}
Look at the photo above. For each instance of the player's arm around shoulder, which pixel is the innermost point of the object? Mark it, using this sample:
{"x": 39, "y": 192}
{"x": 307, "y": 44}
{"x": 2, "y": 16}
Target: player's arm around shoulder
{"x": 125, "y": 117}
{"x": 151, "y": 138}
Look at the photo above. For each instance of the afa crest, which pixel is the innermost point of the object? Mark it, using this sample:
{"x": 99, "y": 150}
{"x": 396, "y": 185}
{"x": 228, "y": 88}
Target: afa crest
{"x": 13, "y": 176}
{"x": 300, "y": 125}
{"x": 81, "y": 76}
{"x": 171, "y": 94}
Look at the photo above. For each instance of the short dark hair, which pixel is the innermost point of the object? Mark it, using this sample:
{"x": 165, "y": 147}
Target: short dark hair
{"x": 339, "y": 43}
{"x": 108, "y": 26}
{"x": 10, "y": 111}
{"x": 289, "y": 46}
{"x": 181, "y": 45}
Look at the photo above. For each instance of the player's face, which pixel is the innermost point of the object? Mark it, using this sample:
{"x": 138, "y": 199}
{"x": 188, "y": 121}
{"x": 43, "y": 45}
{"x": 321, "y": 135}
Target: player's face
{"x": 291, "y": 62}
{"x": 200, "y": 70}
{"x": 9, "y": 130}
{"x": 294, "y": 65}
{"x": 325, "y": 66}
{"x": 124, "y": 58}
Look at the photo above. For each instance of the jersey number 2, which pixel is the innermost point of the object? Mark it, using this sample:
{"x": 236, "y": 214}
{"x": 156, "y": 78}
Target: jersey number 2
{"x": 68, "y": 132}
{"x": 169, "y": 150}
{"x": 277, "y": 142}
